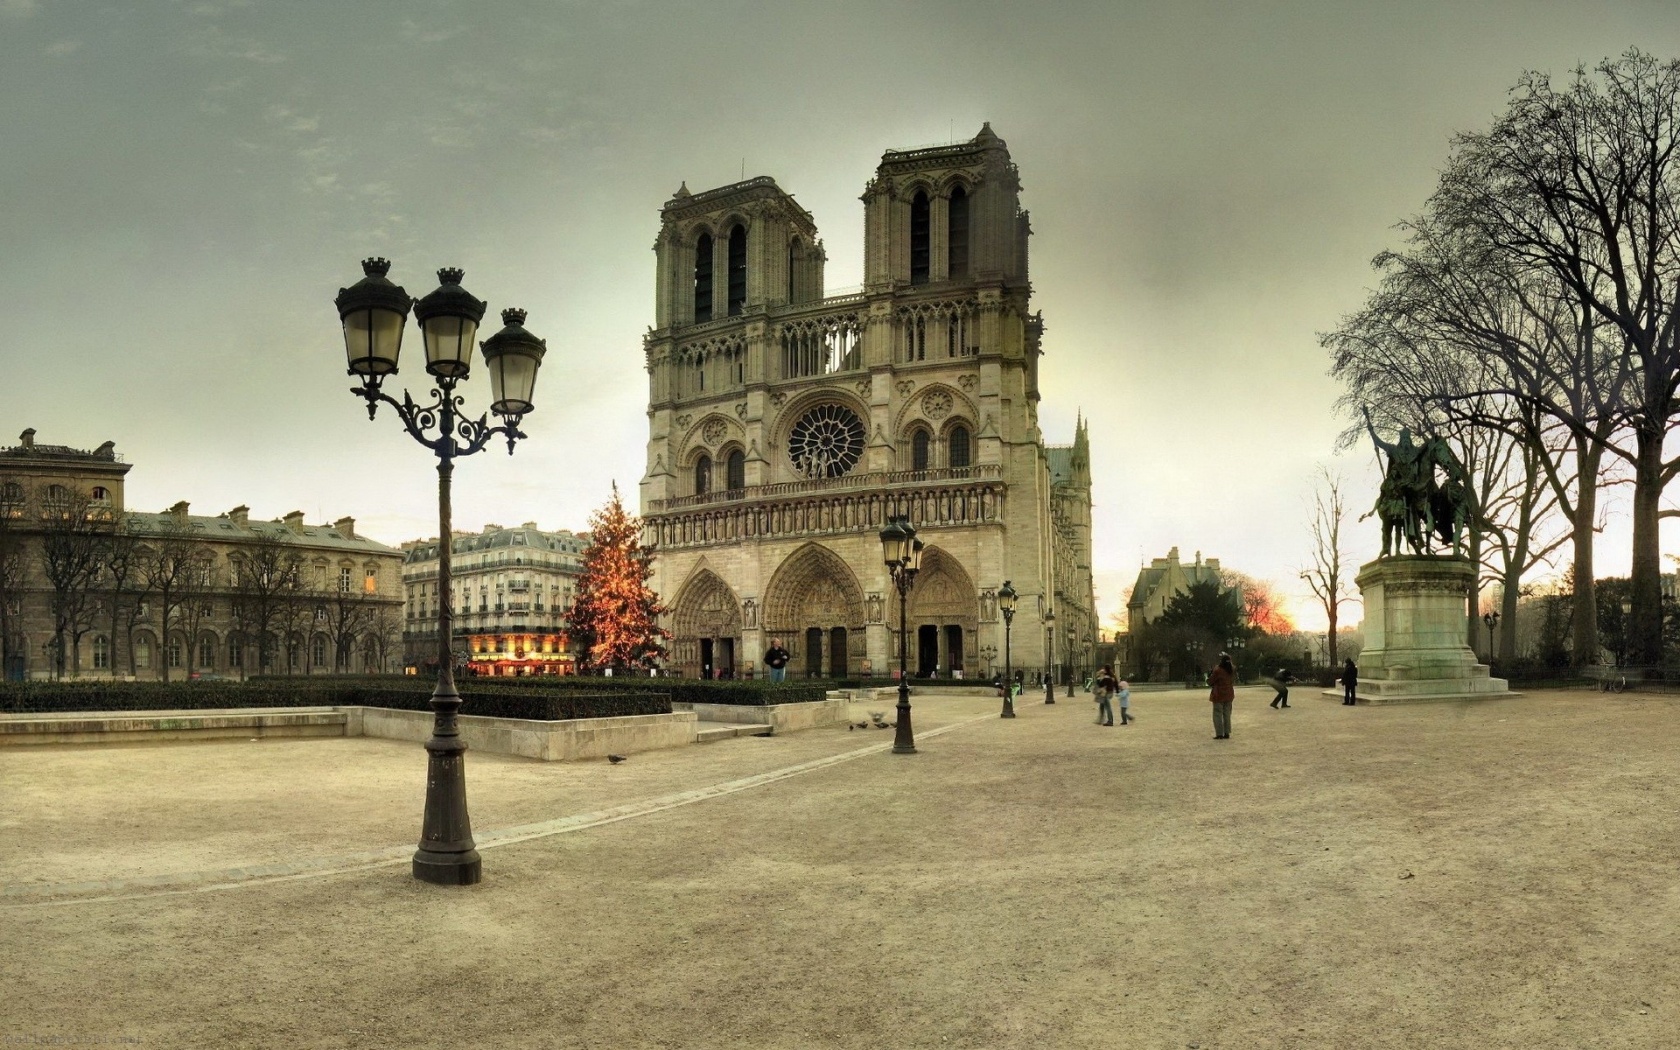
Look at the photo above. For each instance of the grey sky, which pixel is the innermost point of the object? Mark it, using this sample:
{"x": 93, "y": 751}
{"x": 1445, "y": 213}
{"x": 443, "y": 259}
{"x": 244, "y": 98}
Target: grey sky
{"x": 186, "y": 186}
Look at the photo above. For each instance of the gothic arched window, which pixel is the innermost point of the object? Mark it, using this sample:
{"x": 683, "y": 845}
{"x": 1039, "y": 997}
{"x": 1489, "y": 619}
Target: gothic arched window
{"x": 957, "y": 445}
{"x": 920, "y": 443}
{"x": 703, "y": 278}
{"x": 957, "y": 235}
{"x": 793, "y": 261}
{"x": 736, "y": 470}
{"x": 703, "y": 475}
{"x": 919, "y": 235}
{"x": 737, "y": 270}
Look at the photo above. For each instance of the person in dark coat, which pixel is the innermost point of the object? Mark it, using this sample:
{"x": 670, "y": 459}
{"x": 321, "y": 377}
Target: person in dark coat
{"x": 1222, "y": 692}
{"x": 1280, "y": 682}
{"x": 1350, "y": 683}
{"x": 776, "y": 658}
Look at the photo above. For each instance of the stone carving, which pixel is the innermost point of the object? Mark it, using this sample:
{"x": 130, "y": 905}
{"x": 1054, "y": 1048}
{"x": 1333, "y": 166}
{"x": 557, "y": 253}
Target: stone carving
{"x": 988, "y": 605}
{"x": 778, "y": 398}
{"x": 863, "y": 387}
{"x": 684, "y": 420}
{"x": 967, "y": 382}
{"x": 906, "y": 385}
{"x": 741, "y": 410}
{"x": 876, "y": 607}
{"x": 749, "y": 614}
{"x": 714, "y": 431}
{"x": 826, "y": 442}
{"x": 936, "y": 404}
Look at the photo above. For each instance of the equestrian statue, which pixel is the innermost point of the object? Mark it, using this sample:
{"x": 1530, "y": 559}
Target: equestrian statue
{"x": 1412, "y": 504}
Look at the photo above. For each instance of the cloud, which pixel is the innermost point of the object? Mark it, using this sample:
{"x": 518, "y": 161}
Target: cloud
{"x": 62, "y": 48}
{"x": 211, "y": 42}
{"x": 414, "y": 34}
{"x": 18, "y": 8}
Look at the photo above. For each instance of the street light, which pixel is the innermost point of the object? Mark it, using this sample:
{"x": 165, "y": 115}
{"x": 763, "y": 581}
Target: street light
{"x": 1492, "y": 621}
{"x": 1049, "y": 656}
{"x": 1621, "y": 650}
{"x": 374, "y": 312}
{"x": 903, "y": 554}
{"x": 1067, "y": 644}
{"x": 1006, "y": 604}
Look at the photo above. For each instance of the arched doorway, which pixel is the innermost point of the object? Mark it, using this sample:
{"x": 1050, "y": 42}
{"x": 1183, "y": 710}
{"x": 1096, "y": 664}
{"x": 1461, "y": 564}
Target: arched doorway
{"x": 944, "y": 616}
{"x": 814, "y": 607}
{"x": 705, "y": 628}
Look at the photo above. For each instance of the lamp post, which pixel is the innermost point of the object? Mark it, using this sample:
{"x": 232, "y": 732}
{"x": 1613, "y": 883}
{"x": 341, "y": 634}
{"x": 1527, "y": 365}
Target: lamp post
{"x": 374, "y": 313}
{"x": 1006, "y": 598}
{"x": 1049, "y": 656}
{"x": 903, "y": 554}
{"x": 1492, "y": 621}
{"x": 1621, "y": 650}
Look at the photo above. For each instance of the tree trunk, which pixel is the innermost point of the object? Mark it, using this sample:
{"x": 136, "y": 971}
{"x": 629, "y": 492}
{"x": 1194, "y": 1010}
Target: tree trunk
{"x": 1473, "y": 599}
{"x": 1584, "y": 634}
{"x": 1645, "y": 643}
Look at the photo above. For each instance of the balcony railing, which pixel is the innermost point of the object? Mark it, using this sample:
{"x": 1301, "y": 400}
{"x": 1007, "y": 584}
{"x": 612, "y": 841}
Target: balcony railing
{"x": 881, "y": 480}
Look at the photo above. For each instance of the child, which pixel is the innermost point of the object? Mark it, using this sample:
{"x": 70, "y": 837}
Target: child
{"x": 1125, "y": 692}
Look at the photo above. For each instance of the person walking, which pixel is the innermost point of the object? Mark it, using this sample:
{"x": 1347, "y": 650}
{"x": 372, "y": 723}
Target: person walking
{"x": 1350, "y": 683}
{"x": 1222, "y": 692}
{"x": 776, "y": 658}
{"x": 1124, "y": 691}
{"x": 1103, "y": 687}
{"x": 1280, "y": 682}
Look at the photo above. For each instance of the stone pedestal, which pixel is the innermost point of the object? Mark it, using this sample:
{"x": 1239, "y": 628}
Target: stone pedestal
{"x": 1415, "y": 630}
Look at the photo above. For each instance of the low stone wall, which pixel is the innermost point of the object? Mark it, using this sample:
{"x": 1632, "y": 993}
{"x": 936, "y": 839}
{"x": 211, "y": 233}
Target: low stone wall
{"x": 549, "y": 741}
{"x": 781, "y": 718}
{"x": 123, "y": 727}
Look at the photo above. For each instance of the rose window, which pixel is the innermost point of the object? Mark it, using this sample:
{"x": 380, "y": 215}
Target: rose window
{"x": 826, "y": 442}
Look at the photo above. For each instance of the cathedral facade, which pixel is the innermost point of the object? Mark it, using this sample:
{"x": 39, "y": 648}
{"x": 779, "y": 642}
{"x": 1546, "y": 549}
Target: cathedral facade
{"x": 786, "y": 427}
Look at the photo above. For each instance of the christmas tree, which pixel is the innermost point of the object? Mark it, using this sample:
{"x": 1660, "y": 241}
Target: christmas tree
{"x": 615, "y": 619}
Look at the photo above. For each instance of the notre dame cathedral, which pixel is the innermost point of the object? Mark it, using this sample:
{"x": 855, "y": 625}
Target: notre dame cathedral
{"x": 785, "y": 427}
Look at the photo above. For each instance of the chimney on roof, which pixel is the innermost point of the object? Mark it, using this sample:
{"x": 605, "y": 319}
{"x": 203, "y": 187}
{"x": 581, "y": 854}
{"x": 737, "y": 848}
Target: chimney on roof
{"x": 529, "y": 525}
{"x": 28, "y": 438}
{"x": 346, "y": 527}
{"x": 240, "y": 515}
{"x": 179, "y": 511}
{"x": 1172, "y": 555}
{"x": 107, "y": 450}
{"x": 294, "y": 521}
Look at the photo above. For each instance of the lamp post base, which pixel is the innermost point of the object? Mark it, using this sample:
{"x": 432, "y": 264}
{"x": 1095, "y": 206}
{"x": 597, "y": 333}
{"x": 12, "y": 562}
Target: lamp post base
{"x": 1049, "y": 690}
{"x": 449, "y": 869}
{"x": 904, "y": 740}
{"x": 1008, "y": 706}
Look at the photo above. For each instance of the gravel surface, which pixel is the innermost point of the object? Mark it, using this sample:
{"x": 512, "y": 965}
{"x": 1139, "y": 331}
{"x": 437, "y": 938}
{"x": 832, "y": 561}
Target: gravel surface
{"x": 1494, "y": 874}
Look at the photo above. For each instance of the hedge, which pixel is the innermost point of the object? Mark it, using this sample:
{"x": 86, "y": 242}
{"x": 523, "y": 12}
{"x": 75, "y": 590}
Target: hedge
{"x": 734, "y": 692}
{"x": 408, "y": 694}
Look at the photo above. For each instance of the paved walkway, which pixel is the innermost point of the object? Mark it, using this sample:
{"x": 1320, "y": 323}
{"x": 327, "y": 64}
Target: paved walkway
{"x": 1448, "y": 875}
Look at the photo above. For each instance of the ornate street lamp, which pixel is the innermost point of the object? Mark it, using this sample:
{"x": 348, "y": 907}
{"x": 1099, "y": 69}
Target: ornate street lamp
{"x": 1006, "y": 604}
{"x": 1049, "y": 656}
{"x": 374, "y": 312}
{"x": 1492, "y": 621}
{"x": 903, "y": 554}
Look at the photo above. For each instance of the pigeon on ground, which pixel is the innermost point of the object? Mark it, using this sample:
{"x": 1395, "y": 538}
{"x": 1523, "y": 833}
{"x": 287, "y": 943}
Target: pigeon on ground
{"x": 615, "y": 759}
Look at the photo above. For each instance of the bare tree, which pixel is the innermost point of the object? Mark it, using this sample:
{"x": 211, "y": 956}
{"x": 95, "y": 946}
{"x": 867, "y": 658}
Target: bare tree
{"x": 14, "y": 573}
{"x": 172, "y": 563}
{"x": 124, "y": 588}
{"x": 73, "y": 538}
{"x": 1326, "y": 576}
{"x": 267, "y": 576}
{"x": 1582, "y": 185}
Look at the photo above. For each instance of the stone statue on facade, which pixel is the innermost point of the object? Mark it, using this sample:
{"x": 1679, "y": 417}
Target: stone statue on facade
{"x": 1412, "y": 503}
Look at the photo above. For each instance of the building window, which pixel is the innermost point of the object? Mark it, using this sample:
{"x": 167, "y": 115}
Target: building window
{"x": 737, "y": 470}
{"x": 143, "y": 655}
{"x": 919, "y": 445}
{"x": 13, "y": 492}
{"x": 370, "y": 581}
{"x": 737, "y": 270}
{"x": 957, "y": 234}
{"x": 207, "y": 653}
{"x": 173, "y": 652}
{"x": 101, "y": 493}
{"x": 792, "y": 269}
{"x": 919, "y": 232}
{"x": 344, "y": 580}
{"x": 318, "y": 651}
{"x": 236, "y": 653}
{"x": 957, "y": 444}
{"x": 957, "y": 335}
{"x": 703, "y": 476}
{"x": 703, "y": 278}
{"x": 101, "y": 654}
{"x": 915, "y": 338}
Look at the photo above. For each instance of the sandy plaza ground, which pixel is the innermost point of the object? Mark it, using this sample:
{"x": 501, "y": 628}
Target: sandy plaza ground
{"x": 1503, "y": 873}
